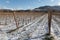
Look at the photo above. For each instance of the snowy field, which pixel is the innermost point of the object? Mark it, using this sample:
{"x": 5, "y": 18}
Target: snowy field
{"x": 56, "y": 26}
{"x": 33, "y": 28}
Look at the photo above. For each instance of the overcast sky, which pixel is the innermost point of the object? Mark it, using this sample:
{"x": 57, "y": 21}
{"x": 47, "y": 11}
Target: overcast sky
{"x": 27, "y": 4}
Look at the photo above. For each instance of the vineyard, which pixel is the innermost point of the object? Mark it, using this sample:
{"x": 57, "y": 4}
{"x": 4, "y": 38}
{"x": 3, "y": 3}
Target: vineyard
{"x": 29, "y": 25}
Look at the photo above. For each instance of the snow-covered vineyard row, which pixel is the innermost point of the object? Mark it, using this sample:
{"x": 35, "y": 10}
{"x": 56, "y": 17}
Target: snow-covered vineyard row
{"x": 30, "y": 26}
{"x": 56, "y": 26}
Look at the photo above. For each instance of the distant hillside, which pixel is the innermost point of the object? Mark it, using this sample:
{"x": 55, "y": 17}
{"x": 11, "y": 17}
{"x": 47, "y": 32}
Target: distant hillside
{"x": 42, "y": 9}
{"x": 46, "y": 8}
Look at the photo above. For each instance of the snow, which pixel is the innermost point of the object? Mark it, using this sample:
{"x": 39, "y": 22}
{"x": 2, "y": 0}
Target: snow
{"x": 35, "y": 29}
{"x": 55, "y": 26}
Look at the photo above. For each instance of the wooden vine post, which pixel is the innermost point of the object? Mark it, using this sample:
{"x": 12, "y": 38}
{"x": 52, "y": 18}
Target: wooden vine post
{"x": 15, "y": 19}
{"x": 49, "y": 21}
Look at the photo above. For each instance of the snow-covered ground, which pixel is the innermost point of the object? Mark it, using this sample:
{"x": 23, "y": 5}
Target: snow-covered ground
{"x": 33, "y": 29}
{"x": 56, "y": 26}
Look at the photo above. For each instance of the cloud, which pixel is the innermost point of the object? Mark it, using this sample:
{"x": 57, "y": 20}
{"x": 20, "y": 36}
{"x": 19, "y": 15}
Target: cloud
{"x": 39, "y": 0}
{"x": 7, "y": 1}
{"x": 52, "y": 0}
{"x": 5, "y": 7}
{"x": 58, "y": 3}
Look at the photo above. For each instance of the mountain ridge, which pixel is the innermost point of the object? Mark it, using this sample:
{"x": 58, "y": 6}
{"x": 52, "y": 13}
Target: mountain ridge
{"x": 42, "y": 8}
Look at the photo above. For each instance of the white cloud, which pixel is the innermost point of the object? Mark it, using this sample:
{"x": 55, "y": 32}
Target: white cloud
{"x": 39, "y": 0}
{"x": 5, "y": 7}
{"x": 7, "y": 1}
{"x": 58, "y": 3}
{"x": 52, "y": 0}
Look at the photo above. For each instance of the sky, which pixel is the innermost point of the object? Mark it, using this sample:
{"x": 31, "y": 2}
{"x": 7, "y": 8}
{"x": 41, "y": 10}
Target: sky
{"x": 27, "y": 4}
